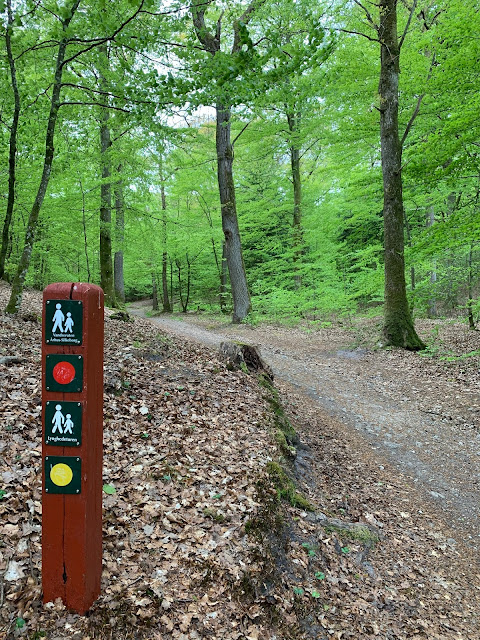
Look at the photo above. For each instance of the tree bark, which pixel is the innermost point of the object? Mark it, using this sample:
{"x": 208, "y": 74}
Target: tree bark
{"x": 154, "y": 292}
{"x": 106, "y": 263}
{"x": 398, "y": 324}
{"x": 84, "y": 225}
{"x": 432, "y": 300}
{"x": 471, "y": 319}
{"x": 409, "y": 240}
{"x": 119, "y": 281}
{"x": 293, "y": 124}
{"x": 166, "y": 304}
{"x": 12, "y": 152}
{"x": 223, "y": 281}
{"x": 233, "y": 246}
{"x": 15, "y": 301}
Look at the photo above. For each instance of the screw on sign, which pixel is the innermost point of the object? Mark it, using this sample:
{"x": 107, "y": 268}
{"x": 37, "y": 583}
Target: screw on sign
{"x": 72, "y": 398}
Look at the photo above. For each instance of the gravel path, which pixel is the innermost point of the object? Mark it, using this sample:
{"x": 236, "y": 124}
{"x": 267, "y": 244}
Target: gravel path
{"x": 406, "y": 418}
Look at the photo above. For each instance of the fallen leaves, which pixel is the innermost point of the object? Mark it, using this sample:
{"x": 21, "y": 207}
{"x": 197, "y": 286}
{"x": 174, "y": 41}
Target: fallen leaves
{"x": 181, "y": 462}
{"x": 186, "y": 443}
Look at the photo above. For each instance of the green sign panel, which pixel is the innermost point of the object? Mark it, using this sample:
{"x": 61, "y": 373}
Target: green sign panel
{"x": 63, "y": 322}
{"x": 63, "y": 424}
{"x": 64, "y": 373}
{"x": 63, "y": 474}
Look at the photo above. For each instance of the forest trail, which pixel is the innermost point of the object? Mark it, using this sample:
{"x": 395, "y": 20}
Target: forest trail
{"x": 407, "y": 413}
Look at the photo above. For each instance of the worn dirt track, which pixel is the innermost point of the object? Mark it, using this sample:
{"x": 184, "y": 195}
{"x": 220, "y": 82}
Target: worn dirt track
{"x": 403, "y": 419}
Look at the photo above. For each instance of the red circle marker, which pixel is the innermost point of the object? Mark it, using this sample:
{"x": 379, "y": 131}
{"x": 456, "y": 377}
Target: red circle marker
{"x": 63, "y": 372}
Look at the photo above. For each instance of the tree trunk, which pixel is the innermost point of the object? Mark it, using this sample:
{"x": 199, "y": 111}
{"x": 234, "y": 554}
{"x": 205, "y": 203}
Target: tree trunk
{"x": 15, "y": 301}
{"x": 223, "y": 281}
{"x": 154, "y": 292}
{"x": 409, "y": 240}
{"x": 471, "y": 319}
{"x": 171, "y": 285}
{"x": 398, "y": 324}
{"x": 432, "y": 300}
{"x": 106, "y": 263}
{"x": 84, "y": 225}
{"x": 233, "y": 245}
{"x": 119, "y": 240}
{"x": 12, "y": 153}
{"x": 167, "y": 306}
{"x": 293, "y": 124}
{"x": 179, "y": 275}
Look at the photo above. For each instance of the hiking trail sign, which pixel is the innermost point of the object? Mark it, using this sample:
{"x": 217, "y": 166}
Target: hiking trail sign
{"x": 72, "y": 443}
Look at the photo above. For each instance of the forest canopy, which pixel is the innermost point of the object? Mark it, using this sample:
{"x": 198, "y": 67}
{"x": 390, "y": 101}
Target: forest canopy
{"x": 273, "y": 157}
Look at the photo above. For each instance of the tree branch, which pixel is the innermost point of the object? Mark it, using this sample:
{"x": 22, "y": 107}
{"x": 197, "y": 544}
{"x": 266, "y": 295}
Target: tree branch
{"x": 107, "y": 38}
{"x": 412, "y": 119}
{"x": 414, "y": 6}
{"x": 210, "y": 42}
{"x": 105, "y": 93}
{"x": 359, "y": 33}
{"x": 368, "y": 15}
{"x": 94, "y": 104}
{"x": 237, "y": 137}
{"x": 244, "y": 20}
{"x": 418, "y": 105}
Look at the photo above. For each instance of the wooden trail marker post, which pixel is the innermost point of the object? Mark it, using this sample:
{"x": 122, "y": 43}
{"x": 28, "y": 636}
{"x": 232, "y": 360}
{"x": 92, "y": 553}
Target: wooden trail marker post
{"x": 72, "y": 443}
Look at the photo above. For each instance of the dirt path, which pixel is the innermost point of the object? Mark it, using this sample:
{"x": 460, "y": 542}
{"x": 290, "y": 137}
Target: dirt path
{"x": 406, "y": 411}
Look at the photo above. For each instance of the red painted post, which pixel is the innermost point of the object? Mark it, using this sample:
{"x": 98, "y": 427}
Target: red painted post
{"x": 72, "y": 401}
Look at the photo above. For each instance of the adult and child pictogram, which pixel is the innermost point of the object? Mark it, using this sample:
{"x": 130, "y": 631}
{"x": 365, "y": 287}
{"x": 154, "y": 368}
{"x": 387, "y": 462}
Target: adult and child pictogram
{"x": 64, "y": 322}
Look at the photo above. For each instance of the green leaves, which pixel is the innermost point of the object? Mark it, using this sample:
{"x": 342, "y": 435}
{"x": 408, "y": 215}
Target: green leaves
{"x": 109, "y": 489}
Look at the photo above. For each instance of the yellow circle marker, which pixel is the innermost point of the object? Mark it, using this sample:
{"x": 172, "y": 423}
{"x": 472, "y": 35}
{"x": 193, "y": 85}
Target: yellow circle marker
{"x": 61, "y": 475}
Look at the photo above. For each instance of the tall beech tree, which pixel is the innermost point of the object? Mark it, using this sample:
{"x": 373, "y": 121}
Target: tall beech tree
{"x": 398, "y": 327}
{"x": 233, "y": 246}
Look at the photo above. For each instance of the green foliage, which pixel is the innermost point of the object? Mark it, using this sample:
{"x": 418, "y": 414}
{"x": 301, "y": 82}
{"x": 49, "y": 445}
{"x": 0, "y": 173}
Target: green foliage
{"x": 288, "y": 63}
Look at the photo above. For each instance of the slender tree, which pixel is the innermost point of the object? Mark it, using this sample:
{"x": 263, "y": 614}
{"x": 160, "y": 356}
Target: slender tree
{"x": 119, "y": 238}
{"x": 398, "y": 327}
{"x": 80, "y": 47}
{"x": 233, "y": 246}
{"x": 17, "y": 286}
{"x": 106, "y": 263}
{"x": 166, "y": 304}
{"x": 12, "y": 154}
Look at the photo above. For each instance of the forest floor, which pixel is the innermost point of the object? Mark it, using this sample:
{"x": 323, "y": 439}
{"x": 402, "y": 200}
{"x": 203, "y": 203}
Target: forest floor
{"x": 197, "y": 543}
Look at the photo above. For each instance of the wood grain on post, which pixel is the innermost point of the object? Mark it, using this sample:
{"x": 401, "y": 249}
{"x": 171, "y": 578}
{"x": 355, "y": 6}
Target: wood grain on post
{"x": 72, "y": 443}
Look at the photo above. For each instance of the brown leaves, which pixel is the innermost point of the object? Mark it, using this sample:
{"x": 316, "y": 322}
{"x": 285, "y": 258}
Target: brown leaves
{"x": 183, "y": 460}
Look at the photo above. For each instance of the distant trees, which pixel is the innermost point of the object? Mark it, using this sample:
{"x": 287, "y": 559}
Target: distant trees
{"x": 273, "y": 122}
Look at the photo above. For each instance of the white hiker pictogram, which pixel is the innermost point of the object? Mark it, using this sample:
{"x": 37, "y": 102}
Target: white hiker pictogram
{"x": 67, "y": 427}
{"x": 58, "y": 419}
{"x": 58, "y": 319}
{"x": 69, "y": 323}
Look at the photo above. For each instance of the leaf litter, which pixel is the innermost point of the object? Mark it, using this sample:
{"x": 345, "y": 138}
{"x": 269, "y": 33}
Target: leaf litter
{"x": 197, "y": 543}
